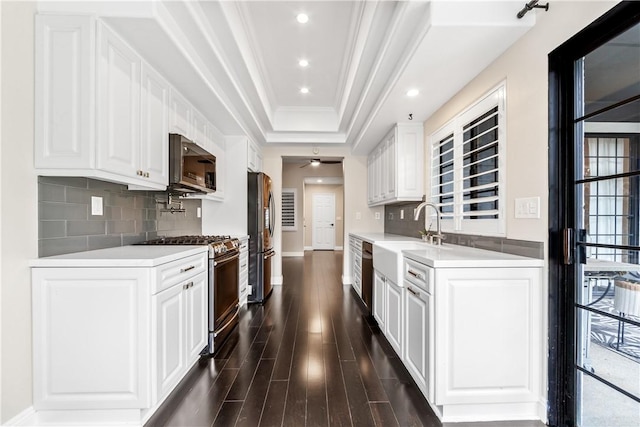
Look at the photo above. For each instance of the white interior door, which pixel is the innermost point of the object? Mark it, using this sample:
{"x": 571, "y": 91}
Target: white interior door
{"x": 324, "y": 221}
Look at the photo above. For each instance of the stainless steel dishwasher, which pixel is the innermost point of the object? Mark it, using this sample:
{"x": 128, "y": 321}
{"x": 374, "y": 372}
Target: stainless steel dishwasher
{"x": 367, "y": 276}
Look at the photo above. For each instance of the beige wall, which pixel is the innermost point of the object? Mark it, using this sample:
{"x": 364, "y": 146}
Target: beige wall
{"x": 357, "y": 215}
{"x": 19, "y": 226}
{"x": 293, "y": 242}
{"x": 309, "y": 191}
{"x": 524, "y": 67}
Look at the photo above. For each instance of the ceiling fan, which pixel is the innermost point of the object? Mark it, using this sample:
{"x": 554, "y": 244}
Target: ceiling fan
{"x": 317, "y": 162}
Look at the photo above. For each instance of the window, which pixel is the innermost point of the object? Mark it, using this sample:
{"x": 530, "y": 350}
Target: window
{"x": 611, "y": 209}
{"x": 289, "y": 209}
{"x": 466, "y": 173}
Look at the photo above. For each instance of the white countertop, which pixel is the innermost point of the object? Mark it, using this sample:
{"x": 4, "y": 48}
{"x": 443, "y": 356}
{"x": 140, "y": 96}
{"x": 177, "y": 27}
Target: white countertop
{"x": 383, "y": 237}
{"x": 122, "y": 256}
{"x": 448, "y": 256}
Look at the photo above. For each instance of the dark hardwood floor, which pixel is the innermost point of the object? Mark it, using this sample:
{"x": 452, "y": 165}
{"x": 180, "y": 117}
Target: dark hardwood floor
{"x": 307, "y": 357}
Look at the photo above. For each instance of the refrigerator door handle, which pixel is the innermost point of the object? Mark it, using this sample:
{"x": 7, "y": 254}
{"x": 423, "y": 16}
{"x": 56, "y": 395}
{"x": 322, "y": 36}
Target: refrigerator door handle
{"x": 269, "y": 254}
{"x": 272, "y": 208}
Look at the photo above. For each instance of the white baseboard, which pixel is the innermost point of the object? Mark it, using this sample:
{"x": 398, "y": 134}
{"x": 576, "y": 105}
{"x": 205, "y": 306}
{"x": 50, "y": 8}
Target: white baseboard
{"x": 338, "y": 248}
{"x": 292, "y": 254}
{"x": 24, "y": 418}
{"x": 308, "y": 248}
{"x": 276, "y": 280}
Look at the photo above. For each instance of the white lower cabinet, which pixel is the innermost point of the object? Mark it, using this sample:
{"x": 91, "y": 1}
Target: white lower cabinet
{"x": 379, "y": 294}
{"x": 394, "y": 309}
{"x": 109, "y": 338}
{"x": 418, "y": 353}
{"x": 180, "y": 314}
{"x": 473, "y": 340}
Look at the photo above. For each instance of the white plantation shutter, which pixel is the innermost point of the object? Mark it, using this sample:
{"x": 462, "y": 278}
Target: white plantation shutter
{"x": 289, "y": 204}
{"x": 467, "y": 166}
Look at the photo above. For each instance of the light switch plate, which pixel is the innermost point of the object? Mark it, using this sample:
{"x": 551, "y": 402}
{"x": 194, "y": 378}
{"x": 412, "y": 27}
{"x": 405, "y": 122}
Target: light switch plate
{"x": 358, "y": 215}
{"x": 377, "y": 215}
{"x": 96, "y": 206}
{"x": 527, "y": 208}
{"x": 401, "y": 213}
{"x": 198, "y": 212}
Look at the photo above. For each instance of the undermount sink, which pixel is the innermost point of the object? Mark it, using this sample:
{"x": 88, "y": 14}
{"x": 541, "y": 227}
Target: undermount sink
{"x": 387, "y": 257}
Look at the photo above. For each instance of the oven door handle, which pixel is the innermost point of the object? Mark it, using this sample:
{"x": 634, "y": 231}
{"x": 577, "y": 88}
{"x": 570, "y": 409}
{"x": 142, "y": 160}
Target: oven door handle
{"x": 223, "y": 327}
{"x": 226, "y": 260}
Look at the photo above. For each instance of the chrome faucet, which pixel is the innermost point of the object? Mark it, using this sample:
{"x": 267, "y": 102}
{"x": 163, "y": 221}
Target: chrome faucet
{"x": 435, "y": 238}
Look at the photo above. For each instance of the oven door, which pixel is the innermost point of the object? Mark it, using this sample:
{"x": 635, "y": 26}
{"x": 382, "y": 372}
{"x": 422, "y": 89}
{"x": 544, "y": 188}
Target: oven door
{"x": 225, "y": 296}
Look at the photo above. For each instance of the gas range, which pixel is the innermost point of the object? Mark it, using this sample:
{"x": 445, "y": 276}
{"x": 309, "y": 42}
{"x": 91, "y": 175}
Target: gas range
{"x": 219, "y": 246}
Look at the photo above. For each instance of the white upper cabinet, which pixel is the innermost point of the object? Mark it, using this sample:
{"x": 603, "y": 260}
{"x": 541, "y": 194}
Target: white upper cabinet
{"x": 64, "y": 92}
{"x": 395, "y": 167}
{"x": 254, "y": 157}
{"x": 154, "y": 111}
{"x": 93, "y": 117}
{"x": 118, "y": 106}
{"x": 181, "y": 115}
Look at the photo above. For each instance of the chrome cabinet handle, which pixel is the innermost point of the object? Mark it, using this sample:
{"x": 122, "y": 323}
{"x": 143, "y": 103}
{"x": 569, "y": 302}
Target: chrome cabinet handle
{"x": 413, "y": 292}
{"x": 414, "y": 274}
{"x": 184, "y": 270}
{"x": 187, "y": 285}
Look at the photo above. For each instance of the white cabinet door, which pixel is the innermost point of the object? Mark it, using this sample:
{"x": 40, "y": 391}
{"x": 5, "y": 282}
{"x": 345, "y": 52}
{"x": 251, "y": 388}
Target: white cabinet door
{"x": 418, "y": 311}
{"x": 168, "y": 307}
{"x": 91, "y": 338}
{"x": 200, "y": 131}
{"x": 154, "y": 141}
{"x": 379, "y": 294}
{"x": 389, "y": 176}
{"x": 180, "y": 115}
{"x": 64, "y": 91}
{"x": 472, "y": 301}
{"x": 409, "y": 171}
{"x": 254, "y": 157}
{"x": 196, "y": 316}
{"x": 394, "y": 316}
{"x": 118, "y": 105}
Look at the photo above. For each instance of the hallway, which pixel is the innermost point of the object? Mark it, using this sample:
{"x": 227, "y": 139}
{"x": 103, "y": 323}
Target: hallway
{"x": 307, "y": 357}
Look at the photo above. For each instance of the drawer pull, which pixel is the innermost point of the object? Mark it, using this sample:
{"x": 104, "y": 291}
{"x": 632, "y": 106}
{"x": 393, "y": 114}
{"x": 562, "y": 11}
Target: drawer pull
{"x": 414, "y": 274}
{"x": 184, "y": 270}
{"x": 413, "y": 292}
{"x": 187, "y": 285}
{"x": 243, "y": 265}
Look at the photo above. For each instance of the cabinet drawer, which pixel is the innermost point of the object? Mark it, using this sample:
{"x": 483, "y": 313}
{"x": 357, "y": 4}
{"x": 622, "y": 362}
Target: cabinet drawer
{"x": 419, "y": 275}
{"x": 173, "y": 272}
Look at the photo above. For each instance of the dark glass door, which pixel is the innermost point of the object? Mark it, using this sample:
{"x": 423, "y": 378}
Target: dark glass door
{"x": 594, "y": 281}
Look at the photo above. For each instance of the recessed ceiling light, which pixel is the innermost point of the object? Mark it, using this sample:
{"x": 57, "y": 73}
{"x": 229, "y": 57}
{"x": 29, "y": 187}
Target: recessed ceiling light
{"x": 319, "y": 180}
{"x": 304, "y": 90}
{"x": 303, "y": 63}
{"x": 413, "y": 92}
{"x": 302, "y": 18}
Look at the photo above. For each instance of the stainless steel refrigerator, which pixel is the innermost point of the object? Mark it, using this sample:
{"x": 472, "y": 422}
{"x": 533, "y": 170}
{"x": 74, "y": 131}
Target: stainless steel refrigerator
{"x": 261, "y": 217}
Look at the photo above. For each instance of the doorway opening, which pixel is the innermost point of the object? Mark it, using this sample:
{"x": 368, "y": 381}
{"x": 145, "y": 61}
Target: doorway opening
{"x": 313, "y": 192}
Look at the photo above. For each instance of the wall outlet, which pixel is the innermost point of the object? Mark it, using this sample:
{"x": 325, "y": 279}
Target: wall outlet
{"x": 377, "y": 215}
{"x": 358, "y": 215}
{"x": 96, "y": 206}
{"x": 390, "y": 215}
